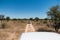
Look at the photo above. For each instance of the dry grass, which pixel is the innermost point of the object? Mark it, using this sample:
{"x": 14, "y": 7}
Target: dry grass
{"x": 16, "y": 28}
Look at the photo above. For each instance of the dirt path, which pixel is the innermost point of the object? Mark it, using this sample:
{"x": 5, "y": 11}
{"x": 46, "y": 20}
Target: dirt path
{"x": 29, "y": 28}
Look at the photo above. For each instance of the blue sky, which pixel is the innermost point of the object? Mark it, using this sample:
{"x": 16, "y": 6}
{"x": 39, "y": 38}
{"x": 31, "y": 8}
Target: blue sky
{"x": 26, "y": 8}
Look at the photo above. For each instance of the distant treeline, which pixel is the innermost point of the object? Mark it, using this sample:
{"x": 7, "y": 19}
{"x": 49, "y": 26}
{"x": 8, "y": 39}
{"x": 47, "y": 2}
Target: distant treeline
{"x": 2, "y": 17}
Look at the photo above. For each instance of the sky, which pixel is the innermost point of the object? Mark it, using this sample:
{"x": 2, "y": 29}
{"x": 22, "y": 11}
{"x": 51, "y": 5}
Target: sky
{"x": 26, "y": 8}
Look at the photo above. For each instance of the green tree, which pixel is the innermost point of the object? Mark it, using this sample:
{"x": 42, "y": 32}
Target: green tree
{"x": 14, "y": 19}
{"x": 31, "y": 18}
{"x": 7, "y": 18}
{"x": 54, "y": 13}
{"x": 36, "y": 18}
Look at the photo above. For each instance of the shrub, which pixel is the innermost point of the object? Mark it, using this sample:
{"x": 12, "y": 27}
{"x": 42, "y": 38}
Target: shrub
{"x": 3, "y": 25}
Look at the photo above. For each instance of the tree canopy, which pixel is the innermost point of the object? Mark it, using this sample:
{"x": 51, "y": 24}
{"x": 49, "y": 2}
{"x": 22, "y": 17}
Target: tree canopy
{"x": 54, "y": 12}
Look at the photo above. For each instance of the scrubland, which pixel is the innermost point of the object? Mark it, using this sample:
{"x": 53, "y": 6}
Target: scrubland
{"x": 14, "y": 28}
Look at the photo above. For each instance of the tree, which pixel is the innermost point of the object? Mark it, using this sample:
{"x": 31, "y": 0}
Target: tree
{"x": 31, "y": 18}
{"x": 7, "y": 18}
{"x": 36, "y": 18}
{"x": 14, "y": 19}
{"x": 1, "y": 18}
{"x": 46, "y": 19}
{"x": 54, "y": 14}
